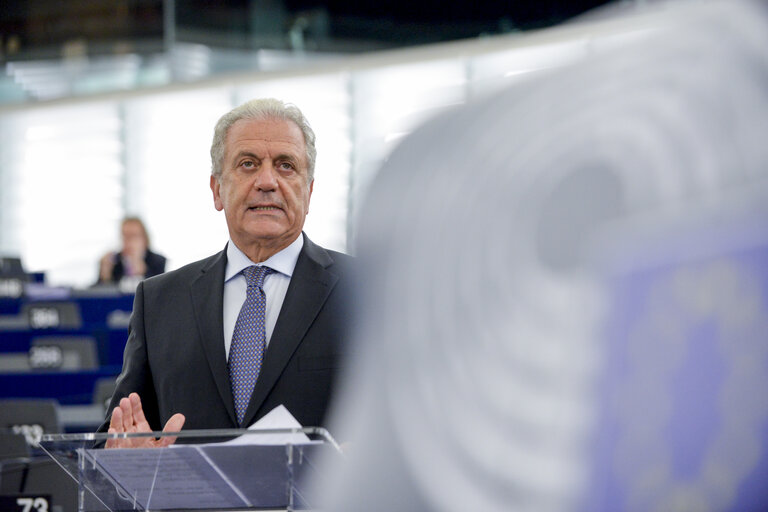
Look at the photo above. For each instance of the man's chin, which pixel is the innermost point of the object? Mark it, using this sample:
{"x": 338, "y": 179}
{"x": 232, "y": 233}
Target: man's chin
{"x": 268, "y": 234}
{"x": 265, "y": 225}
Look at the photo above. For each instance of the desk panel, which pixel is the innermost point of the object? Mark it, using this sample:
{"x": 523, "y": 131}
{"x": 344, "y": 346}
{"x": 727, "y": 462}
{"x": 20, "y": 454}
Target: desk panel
{"x": 69, "y": 388}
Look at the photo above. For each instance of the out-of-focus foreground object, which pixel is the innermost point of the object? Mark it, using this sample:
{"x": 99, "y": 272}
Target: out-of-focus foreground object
{"x": 565, "y": 289}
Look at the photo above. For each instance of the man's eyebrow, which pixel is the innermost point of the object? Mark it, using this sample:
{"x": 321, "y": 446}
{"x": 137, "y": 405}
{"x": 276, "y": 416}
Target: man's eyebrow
{"x": 249, "y": 154}
{"x": 287, "y": 156}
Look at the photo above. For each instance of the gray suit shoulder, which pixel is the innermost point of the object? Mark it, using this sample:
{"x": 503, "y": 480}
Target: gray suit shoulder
{"x": 333, "y": 261}
{"x": 340, "y": 257}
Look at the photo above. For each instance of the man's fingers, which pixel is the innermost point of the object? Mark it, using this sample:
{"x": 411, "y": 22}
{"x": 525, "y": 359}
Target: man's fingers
{"x": 116, "y": 421}
{"x": 111, "y": 443}
{"x": 125, "y": 407}
{"x": 138, "y": 413}
{"x": 173, "y": 425}
{"x": 115, "y": 426}
{"x": 129, "y": 417}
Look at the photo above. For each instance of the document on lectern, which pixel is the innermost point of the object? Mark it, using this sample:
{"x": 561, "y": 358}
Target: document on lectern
{"x": 205, "y": 476}
{"x": 277, "y": 418}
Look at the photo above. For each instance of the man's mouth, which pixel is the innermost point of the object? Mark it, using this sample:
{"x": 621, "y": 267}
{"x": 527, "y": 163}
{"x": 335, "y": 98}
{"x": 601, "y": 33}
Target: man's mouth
{"x": 263, "y": 208}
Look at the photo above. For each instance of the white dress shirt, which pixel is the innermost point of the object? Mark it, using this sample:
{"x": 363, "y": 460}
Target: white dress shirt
{"x": 275, "y": 285}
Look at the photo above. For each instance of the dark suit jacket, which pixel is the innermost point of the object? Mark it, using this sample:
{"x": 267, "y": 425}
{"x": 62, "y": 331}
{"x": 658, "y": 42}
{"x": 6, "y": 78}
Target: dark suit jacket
{"x": 175, "y": 358}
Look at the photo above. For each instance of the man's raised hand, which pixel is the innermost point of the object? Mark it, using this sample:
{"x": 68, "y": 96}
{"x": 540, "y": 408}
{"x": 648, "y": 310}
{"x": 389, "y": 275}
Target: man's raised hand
{"x": 128, "y": 417}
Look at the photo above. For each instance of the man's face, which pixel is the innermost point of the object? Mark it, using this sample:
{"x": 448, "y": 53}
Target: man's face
{"x": 263, "y": 188}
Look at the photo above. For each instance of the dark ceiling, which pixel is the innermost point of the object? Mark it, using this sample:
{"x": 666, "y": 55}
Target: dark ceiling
{"x": 33, "y": 28}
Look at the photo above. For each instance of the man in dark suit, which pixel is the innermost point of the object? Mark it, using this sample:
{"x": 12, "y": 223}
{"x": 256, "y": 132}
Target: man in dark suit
{"x": 186, "y": 324}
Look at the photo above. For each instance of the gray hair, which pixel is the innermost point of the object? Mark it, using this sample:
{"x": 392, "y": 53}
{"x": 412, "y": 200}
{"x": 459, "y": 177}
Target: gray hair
{"x": 260, "y": 109}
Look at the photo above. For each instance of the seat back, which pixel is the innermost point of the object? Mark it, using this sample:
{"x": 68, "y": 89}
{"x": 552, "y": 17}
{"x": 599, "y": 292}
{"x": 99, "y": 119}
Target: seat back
{"x": 63, "y": 353}
{"x": 30, "y": 417}
{"x": 52, "y": 315}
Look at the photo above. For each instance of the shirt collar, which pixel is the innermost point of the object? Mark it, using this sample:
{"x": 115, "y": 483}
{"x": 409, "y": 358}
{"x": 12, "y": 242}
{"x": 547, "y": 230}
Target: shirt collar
{"x": 283, "y": 261}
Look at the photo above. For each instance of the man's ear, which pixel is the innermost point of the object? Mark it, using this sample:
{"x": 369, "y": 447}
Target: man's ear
{"x": 311, "y": 185}
{"x": 216, "y": 188}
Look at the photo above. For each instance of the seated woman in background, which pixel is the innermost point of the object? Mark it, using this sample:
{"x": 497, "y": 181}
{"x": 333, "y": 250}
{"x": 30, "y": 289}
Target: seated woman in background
{"x": 135, "y": 260}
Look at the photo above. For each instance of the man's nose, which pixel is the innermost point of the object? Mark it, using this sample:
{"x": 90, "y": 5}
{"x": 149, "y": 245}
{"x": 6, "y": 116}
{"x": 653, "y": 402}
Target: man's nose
{"x": 266, "y": 177}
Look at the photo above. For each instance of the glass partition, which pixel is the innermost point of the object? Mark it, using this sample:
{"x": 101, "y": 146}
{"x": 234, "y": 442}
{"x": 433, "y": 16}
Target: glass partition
{"x": 267, "y": 469}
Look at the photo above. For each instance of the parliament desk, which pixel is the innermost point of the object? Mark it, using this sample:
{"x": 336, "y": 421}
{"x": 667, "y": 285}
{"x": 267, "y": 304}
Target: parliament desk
{"x": 63, "y": 344}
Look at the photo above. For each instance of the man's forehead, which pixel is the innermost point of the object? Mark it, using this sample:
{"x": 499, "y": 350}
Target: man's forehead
{"x": 266, "y": 138}
{"x": 266, "y": 130}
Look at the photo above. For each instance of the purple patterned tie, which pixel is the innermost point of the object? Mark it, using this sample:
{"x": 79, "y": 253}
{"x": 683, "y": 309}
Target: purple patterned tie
{"x": 248, "y": 340}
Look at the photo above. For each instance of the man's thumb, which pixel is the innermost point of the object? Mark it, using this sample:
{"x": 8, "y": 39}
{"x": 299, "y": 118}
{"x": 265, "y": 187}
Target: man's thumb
{"x": 174, "y": 425}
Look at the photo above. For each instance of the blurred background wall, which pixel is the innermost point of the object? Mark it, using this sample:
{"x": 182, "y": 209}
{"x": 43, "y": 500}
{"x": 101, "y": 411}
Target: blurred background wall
{"x": 107, "y": 108}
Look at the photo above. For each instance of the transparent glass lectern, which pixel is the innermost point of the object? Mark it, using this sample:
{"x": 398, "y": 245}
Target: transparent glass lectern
{"x": 269, "y": 469}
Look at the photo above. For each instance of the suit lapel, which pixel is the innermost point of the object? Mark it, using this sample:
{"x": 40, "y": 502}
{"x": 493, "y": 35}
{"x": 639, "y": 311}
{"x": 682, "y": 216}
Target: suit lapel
{"x": 208, "y": 304}
{"x": 310, "y": 286}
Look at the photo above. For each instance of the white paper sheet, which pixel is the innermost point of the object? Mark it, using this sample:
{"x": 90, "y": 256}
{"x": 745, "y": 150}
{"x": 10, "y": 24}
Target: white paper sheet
{"x": 277, "y": 418}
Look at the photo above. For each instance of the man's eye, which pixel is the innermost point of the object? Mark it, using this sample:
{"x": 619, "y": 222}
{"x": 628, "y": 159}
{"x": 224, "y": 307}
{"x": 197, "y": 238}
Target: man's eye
{"x": 248, "y": 164}
{"x": 285, "y": 166}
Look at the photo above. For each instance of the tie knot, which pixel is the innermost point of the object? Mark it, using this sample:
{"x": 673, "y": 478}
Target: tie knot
{"x": 254, "y": 275}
